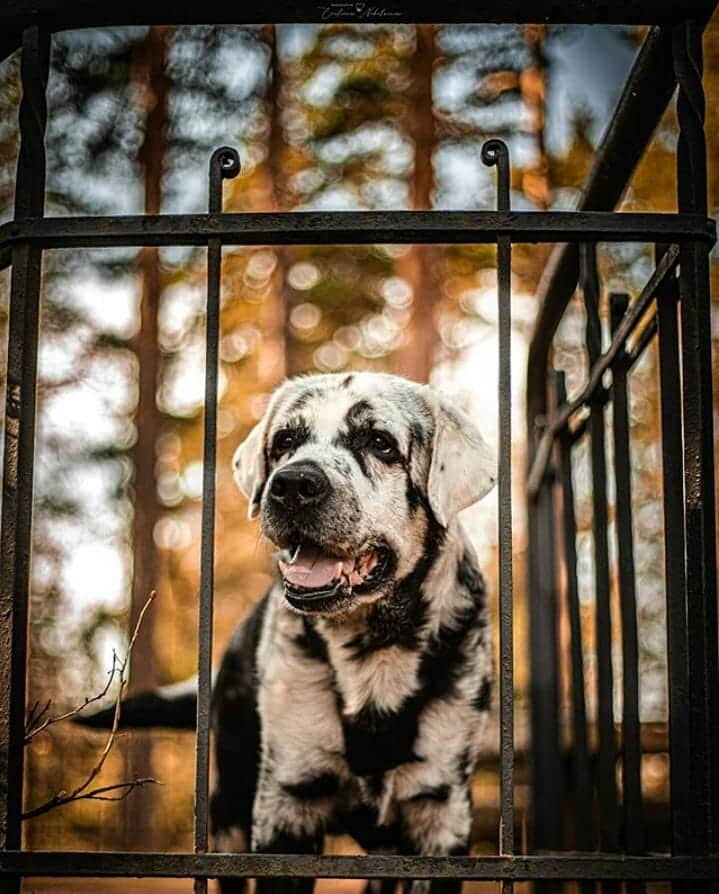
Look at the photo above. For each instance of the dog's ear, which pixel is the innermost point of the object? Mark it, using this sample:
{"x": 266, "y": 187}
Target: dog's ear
{"x": 463, "y": 466}
{"x": 248, "y": 467}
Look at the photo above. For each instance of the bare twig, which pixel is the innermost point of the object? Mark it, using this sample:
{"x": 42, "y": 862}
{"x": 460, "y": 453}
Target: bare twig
{"x": 83, "y": 791}
{"x": 38, "y": 720}
{"x": 123, "y": 789}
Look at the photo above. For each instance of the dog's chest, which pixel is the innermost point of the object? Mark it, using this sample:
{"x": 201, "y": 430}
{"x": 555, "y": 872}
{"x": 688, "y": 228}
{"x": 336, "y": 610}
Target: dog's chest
{"x": 379, "y": 711}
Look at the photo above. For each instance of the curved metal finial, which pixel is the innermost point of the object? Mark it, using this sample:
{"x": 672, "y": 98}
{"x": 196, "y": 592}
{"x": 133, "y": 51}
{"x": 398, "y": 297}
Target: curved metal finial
{"x": 224, "y": 165}
{"x": 495, "y": 152}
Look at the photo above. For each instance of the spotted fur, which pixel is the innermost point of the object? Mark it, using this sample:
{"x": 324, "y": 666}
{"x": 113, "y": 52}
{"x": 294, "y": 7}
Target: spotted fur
{"x": 366, "y": 718}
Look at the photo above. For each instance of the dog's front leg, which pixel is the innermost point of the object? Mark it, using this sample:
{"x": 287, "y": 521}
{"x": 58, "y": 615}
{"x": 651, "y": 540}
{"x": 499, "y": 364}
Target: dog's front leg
{"x": 283, "y": 823}
{"x": 438, "y": 825}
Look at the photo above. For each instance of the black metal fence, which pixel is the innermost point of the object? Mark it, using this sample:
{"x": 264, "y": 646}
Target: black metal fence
{"x": 679, "y": 306}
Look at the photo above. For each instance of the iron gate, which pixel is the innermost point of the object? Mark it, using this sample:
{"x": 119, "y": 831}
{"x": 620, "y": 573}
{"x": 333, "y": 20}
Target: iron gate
{"x": 671, "y": 55}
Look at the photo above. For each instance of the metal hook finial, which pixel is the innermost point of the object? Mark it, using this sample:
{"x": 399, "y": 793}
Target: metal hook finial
{"x": 224, "y": 165}
{"x": 495, "y": 152}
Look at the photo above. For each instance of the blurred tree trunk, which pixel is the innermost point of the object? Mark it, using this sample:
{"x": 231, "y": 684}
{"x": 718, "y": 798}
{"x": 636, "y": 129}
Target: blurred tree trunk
{"x": 419, "y": 265}
{"x": 154, "y": 86}
{"x": 276, "y": 361}
{"x": 532, "y": 83}
{"x": 537, "y": 180}
{"x": 153, "y": 89}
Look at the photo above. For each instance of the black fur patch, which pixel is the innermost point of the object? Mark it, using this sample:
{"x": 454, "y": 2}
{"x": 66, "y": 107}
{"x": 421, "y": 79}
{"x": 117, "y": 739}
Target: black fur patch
{"x": 465, "y": 765}
{"x": 311, "y": 643}
{"x": 362, "y": 824}
{"x": 419, "y": 434}
{"x": 285, "y": 843}
{"x": 439, "y": 793}
{"x": 323, "y": 786}
{"x": 377, "y": 741}
{"x": 443, "y": 662}
{"x": 399, "y": 619}
{"x": 469, "y": 576}
{"x": 413, "y": 492}
{"x": 483, "y": 698}
{"x": 357, "y": 411}
{"x": 237, "y": 727}
{"x": 354, "y": 442}
{"x": 303, "y": 399}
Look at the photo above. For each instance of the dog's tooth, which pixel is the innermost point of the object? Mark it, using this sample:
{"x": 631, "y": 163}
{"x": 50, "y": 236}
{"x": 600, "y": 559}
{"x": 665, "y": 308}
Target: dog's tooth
{"x": 293, "y": 557}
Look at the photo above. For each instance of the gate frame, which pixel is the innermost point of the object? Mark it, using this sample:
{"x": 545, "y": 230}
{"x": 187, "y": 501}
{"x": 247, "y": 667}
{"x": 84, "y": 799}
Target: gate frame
{"x": 670, "y": 55}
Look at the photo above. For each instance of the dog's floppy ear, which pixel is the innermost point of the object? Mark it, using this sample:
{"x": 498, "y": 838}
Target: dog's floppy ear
{"x": 248, "y": 466}
{"x": 463, "y": 466}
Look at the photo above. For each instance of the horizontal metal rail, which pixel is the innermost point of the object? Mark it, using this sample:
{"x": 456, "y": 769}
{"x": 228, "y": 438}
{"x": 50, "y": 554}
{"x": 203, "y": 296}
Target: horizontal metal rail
{"x": 594, "y": 381}
{"x": 525, "y": 868}
{"x": 357, "y": 227}
{"x": 56, "y": 14}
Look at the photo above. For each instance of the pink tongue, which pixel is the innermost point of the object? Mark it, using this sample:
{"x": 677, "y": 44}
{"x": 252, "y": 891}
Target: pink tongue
{"x": 313, "y": 570}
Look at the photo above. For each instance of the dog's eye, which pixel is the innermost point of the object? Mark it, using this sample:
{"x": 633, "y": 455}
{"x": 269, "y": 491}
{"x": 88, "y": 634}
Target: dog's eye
{"x": 282, "y": 442}
{"x": 382, "y": 445}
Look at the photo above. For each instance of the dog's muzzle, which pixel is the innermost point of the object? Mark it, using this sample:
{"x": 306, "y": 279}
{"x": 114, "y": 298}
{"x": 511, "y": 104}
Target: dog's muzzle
{"x": 320, "y": 570}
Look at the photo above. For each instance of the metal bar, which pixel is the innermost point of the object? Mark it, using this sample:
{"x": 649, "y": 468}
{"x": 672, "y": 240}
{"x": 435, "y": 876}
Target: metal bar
{"x": 604, "y": 395}
{"x": 16, "y": 537}
{"x": 225, "y": 163}
{"x": 358, "y": 228}
{"x": 700, "y": 531}
{"x": 580, "y": 749}
{"x": 607, "y": 750}
{"x": 642, "y": 342}
{"x": 597, "y": 368}
{"x": 675, "y": 581}
{"x": 22, "y": 13}
{"x": 495, "y": 153}
{"x": 646, "y": 94}
{"x": 78, "y": 864}
{"x": 631, "y": 748}
{"x": 547, "y": 768}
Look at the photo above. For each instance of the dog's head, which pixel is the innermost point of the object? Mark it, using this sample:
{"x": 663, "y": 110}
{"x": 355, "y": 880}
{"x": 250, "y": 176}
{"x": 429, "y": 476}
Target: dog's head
{"x": 349, "y": 473}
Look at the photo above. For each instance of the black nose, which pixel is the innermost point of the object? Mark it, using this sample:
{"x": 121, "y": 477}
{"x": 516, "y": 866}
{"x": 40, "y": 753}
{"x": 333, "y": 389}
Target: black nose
{"x": 299, "y": 486}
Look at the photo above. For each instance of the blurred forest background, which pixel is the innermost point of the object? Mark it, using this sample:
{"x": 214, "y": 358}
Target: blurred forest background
{"x": 340, "y": 117}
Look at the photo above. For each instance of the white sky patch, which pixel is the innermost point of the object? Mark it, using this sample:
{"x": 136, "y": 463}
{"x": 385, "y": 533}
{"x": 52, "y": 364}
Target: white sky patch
{"x": 96, "y": 574}
{"x": 322, "y": 86}
{"x": 192, "y": 480}
{"x": 111, "y": 305}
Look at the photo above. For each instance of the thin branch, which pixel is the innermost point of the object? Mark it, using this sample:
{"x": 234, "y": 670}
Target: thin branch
{"x": 81, "y": 791}
{"x": 97, "y": 794}
{"x": 38, "y": 721}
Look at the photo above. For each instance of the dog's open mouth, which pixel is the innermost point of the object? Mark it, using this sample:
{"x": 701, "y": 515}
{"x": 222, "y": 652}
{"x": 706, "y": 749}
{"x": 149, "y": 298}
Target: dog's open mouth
{"x": 314, "y": 580}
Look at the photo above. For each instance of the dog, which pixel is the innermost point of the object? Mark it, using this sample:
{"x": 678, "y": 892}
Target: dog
{"x": 358, "y": 687}
{"x": 353, "y": 697}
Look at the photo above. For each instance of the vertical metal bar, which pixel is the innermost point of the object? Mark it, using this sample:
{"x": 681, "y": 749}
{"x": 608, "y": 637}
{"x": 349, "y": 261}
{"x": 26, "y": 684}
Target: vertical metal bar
{"x": 16, "y": 537}
{"x": 495, "y": 152}
{"x": 631, "y": 748}
{"x": 547, "y": 776}
{"x": 225, "y": 163}
{"x": 547, "y": 770}
{"x": 700, "y": 533}
{"x": 675, "y": 582}
{"x": 607, "y": 751}
{"x": 580, "y": 749}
